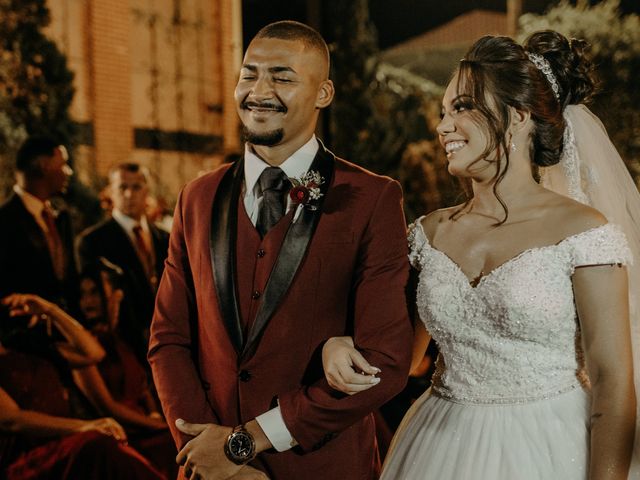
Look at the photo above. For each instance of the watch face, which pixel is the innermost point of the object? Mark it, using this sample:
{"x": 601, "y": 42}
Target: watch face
{"x": 241, "y": 445}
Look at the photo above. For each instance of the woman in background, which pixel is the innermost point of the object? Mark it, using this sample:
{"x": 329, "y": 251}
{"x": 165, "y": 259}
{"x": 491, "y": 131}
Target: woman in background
{"x": 118, "y": 385}
{"x": 41, "y": 435}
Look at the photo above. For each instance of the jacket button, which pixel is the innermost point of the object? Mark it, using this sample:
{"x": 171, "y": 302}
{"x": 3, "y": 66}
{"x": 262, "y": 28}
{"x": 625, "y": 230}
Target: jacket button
{"x": 255, "y": 295}
{"x": 244, "y": 376}
{"x": 261, "y": 253}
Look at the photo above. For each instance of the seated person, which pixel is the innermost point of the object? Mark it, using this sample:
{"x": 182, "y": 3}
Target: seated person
{"x": 103, "y": 308}
{"x": 40, "y": 433}
{"x": 118, "y": 385}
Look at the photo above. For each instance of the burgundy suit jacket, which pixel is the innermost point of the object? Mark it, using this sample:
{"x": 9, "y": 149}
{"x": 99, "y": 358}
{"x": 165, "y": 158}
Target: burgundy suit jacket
{"x": 341, "y": 270}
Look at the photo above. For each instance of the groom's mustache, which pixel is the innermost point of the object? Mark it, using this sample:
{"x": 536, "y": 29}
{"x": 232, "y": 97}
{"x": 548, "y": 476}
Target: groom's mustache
{"x": 263, "y": 105}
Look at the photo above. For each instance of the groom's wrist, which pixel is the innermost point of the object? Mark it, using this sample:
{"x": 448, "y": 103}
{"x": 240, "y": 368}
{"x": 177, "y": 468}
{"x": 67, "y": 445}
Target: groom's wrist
{"x": 262, "y": 441}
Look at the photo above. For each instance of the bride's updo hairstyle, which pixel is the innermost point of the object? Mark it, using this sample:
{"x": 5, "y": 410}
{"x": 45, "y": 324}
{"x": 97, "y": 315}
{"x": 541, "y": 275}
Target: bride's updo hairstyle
{"x": 570, "y": 64}
{"x": 497, "y": 73}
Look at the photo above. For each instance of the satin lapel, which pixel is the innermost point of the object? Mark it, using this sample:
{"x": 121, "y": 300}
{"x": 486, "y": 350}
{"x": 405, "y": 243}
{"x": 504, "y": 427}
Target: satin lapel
{"x": 224, "y": 226}
{"x": 293, "y": 250}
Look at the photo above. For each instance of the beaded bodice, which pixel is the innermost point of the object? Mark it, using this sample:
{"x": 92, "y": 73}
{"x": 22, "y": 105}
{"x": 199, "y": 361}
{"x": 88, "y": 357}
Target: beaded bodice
{"x": 514, "y": 337}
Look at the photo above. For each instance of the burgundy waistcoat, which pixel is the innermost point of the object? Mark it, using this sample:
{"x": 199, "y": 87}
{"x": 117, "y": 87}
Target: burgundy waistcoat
{"x": 255, "y": 258}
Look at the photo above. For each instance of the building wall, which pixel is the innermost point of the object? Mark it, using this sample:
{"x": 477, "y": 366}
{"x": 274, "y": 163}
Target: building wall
{"x": 154, "y": 84}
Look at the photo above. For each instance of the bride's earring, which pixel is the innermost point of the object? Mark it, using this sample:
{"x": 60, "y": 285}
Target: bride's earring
{"x": 512, "y": 146}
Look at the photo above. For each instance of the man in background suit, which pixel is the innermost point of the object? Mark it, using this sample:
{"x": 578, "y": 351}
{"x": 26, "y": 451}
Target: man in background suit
{"x": 259, "y": 275}
{"x": 36, "y": 243}
{"x": 134, "y": 244}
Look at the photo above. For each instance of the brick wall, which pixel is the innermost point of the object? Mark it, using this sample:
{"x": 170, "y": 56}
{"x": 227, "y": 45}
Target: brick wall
{"x": 151, "y": 91}
{"x": 230, "y": 21}
{"x": 110, "y": 81}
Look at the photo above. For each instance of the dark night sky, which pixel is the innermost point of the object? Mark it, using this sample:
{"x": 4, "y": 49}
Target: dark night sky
{"x": 395, "y": 20}
{"x": 402, "y": 19}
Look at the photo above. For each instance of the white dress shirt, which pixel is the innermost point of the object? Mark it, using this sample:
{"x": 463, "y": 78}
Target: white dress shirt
{"x": 296, "y": 165}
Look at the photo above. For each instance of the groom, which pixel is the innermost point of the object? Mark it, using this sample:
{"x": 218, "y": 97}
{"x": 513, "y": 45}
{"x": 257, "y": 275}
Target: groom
{"x": 260, "y": 274}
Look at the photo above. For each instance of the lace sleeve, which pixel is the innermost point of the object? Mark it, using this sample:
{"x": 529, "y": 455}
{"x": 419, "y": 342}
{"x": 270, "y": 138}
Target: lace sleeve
{"x": 417, "y": 241}
{"x": 602, "y": 245}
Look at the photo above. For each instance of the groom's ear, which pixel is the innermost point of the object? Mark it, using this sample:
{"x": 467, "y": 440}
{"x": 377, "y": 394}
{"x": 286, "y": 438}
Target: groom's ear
{"x": 325, "y": 94}
{"x": 519, "y": 120}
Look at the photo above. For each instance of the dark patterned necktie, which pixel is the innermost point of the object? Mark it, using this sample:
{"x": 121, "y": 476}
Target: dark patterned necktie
{"x": 274, "y": 185}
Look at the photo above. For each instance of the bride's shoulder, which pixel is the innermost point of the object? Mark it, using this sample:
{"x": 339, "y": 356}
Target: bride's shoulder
{"x": 574, "y": 217}
{"x": 591, "y": 239}
{"x": 422, "y": 231}
{"x": 578, "y": 216}
{"x": 432, "y": 221}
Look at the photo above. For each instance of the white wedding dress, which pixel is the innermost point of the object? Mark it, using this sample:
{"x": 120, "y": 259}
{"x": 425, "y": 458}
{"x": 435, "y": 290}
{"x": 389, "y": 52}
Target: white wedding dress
{"x": 510, "y": 397}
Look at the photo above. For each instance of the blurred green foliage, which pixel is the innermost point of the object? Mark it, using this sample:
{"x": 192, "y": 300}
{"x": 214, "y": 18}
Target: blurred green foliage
{"x": 36, "y": 91}
{"x": 383, "y": 117}
{"x": 36, "y": 86}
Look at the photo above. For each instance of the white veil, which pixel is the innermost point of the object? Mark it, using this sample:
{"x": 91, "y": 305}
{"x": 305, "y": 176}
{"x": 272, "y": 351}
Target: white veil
{"x": 592, "y": 172}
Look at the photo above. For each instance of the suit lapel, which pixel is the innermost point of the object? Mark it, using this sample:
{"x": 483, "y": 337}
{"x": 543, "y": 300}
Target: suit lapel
{"x": 292, "y": 252}
{"x": 222, "y": 243}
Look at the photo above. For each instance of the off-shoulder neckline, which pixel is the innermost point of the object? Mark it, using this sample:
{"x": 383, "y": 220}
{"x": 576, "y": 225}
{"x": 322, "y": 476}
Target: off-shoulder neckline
{"x": 477, "y": 281}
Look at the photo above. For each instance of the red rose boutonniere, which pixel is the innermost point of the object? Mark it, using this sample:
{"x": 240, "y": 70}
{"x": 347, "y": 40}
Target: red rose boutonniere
{"x": 306, "y": 189}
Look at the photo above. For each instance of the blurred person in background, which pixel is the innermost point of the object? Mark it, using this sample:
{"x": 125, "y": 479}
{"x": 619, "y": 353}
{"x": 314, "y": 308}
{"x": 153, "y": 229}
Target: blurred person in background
{"x": 42, "y": 433}
{"x": 119, "y": 384}
{"x": 36, "y": 245}
{"x": 133, "y": 243}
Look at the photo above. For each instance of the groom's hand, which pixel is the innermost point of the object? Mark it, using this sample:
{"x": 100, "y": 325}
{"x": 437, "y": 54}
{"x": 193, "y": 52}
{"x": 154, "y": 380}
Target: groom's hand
{"x": 203, "y": 456}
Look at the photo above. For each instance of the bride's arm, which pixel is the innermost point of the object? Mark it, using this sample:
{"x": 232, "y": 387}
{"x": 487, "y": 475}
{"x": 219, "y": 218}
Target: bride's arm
{"x": 601, "y": 294}
{"x": 345, "y": 369}
{"x": 342, "y": 362}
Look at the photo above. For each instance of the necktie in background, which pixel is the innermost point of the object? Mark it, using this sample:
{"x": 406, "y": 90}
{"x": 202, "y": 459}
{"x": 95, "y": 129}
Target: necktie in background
{"x": 274, "y": 185}
{"x": 54, "y": 243}
{"x": 145, "y": 255}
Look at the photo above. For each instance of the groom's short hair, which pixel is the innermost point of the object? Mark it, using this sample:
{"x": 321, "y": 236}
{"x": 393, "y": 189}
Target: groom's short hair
{"x": 295, "y": 31}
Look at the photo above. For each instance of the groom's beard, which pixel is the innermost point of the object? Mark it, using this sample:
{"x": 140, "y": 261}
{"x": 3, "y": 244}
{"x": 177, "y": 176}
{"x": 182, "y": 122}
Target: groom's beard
{"x": 268, "y": 139}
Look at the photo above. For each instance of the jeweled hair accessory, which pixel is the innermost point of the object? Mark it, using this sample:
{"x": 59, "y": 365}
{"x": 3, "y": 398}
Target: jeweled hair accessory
{"x": 543, "y": 65}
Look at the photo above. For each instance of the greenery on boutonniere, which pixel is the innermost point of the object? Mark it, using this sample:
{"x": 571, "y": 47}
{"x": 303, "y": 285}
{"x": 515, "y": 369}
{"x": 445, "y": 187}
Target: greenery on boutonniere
{"x": 306, "y": 189}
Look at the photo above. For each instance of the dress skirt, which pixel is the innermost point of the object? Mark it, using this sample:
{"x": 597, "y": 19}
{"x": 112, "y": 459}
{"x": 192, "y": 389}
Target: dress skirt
{"x": 441, "y": 439}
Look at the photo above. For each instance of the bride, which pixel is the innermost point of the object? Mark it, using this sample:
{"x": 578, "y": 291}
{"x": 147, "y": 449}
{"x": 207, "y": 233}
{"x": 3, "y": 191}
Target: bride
{"x": 524, "y": 289}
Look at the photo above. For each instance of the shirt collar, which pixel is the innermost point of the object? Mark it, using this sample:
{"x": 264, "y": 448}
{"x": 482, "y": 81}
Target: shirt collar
{"x": 32, "y": 203}
{"x": 294, "y": 166}
{"x": 129, "y": 223}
